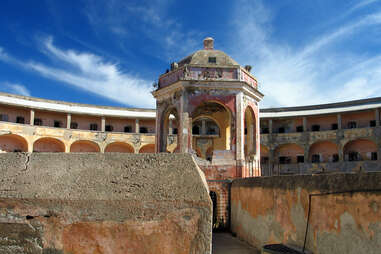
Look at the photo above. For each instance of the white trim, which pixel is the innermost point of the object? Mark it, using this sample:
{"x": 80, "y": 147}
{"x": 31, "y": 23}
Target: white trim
{"x": 75, "y": 109}
{"x": 312, "y": 112}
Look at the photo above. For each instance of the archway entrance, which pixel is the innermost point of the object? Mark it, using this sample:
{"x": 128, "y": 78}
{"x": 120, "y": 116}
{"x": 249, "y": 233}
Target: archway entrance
{"x": 211, "y": 130}
{"x": 169, "y": 140}
{"x": 213, "y": 197}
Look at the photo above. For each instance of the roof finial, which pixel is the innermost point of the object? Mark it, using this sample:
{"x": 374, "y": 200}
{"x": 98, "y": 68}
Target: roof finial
{"x": 208, "y": 43}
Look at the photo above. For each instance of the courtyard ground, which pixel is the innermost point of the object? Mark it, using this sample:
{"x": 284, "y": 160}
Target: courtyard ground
{"x": 225, "y": 243}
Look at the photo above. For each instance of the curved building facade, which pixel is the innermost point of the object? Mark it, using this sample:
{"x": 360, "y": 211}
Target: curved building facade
{"x": 313, "y": 139}
{"x": 207, "y": 105}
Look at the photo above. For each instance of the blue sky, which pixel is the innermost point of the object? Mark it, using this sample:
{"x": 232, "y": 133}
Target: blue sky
{"x": 109, "y": 52}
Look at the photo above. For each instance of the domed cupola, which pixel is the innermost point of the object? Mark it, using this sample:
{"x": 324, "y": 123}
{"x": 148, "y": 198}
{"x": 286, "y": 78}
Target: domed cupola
{"x": 207, "y": 64}
{"x": 212, "y": 103}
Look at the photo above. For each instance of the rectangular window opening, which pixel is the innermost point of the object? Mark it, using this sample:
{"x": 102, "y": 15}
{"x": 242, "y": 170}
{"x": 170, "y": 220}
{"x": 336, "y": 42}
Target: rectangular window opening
{"x": 212, "y": 60}
{"x": 20, "y": 119}
{"x": 93, "y": 127}
{"x": 57, "y": 124}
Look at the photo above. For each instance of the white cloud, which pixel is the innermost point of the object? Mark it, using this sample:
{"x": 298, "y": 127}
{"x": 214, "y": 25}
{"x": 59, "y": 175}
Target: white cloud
{"x": 14, "y": 88}
{"x": 92, "y": 73}
{"x": 151, "y": 20}
{"x": 316, "y": 73}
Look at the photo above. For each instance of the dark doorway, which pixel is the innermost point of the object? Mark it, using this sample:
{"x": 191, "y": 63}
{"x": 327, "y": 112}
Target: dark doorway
{"x": 213, "y": 197}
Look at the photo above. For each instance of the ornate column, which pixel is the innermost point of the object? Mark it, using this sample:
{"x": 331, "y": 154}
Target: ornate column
{"x": 68, "y": 121}
{"x": 240, "y": 132}
{"x": 137, "y": 127}
{"x": 32, "y": 117}
{"x": 339, "y": 122}
{"x": 103, "y": 124}
{"x": 305, "y": 124}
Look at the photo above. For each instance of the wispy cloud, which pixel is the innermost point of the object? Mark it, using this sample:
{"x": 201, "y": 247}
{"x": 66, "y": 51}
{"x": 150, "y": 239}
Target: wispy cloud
{"x": 148, "y": 19}
{"x": 322, "y": 71}
{"x": 14, "y": 88}
{"x": 91, "y": 73}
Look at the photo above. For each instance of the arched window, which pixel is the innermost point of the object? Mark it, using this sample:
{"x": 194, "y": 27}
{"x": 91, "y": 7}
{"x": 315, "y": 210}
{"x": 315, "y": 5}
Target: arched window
{"x": 205, "y": 126}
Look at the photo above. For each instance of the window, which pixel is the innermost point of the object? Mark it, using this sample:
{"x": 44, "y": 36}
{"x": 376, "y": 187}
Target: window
{"x": 299, "y": 128}
{"x": 335, "y": 157}
{"x": 109, "y": 128}
{"x": 57, "y": 124}
{"x": 93, "y": 127}
{"x": 212, "y": 60}
{"x": 315, "y": 158}
{"x": 372, "y": 123}
{"x": 281, "y": 130}
{"x": 174, "y": 131}
{"x": 196, "y": 130}
{"x": 300, "y": 159}
{"x": 315, "y": 127}
{"x": 352, "y": 125}
{"x": 143, "y": 130}
{"x": 334, "y": 126}
{"x": 73, "y": 125}
{"x": 353, "y": 156}
{"x": 211, "y": 131}
{"x": 284, "y": 160}
{"x": 265, "y": 130}
{"x": 264, "y": 160}
{"x": 20, "y": 119}
{"x": 373, "y": 156}
{"x": 4, "y": 117}
{"x": 37, "y": 121}
{"x": 245, "y": 131}
{"x": 127, "y": 129}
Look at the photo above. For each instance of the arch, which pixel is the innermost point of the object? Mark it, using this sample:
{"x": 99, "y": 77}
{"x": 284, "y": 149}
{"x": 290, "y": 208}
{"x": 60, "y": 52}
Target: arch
{"x": 219, "y": 119}
{"x": 119, "y": 147}
{"x": 84, "y": 146}
{"x": 150, "y": 148}
{"x": 49, "y": 145}
{"x": 323, "y": 151}
{"x": 13, "y": 143}
{"x": 214, "y": 198}
{"x": 250, "y": 125}
{"x": 289, "y": 153}
{"x": 360, "y": 149}
{"x": 169, "y": 121}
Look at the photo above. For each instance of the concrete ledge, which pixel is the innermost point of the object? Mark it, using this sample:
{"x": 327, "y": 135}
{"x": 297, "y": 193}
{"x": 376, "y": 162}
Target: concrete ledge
{"x": 103, "y": 203}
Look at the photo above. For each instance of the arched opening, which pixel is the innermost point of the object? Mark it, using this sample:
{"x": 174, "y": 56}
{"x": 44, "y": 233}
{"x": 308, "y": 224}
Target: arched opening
{"x": 147, "y": 149}
{"x": 323, "y": 151}
{"x": 119, "y": 147}
{"x": 213, "y": 197}
{"x": 289, "y": 154}
{"x": 360, "y": 149}
{"x": 84, "y": 146}
{"x": 13, "y": 143}
{"x": 48, "y": 145}
{"x": 250, "y": 145}
{"x": 169, "y": 136}
{"x": 211, "y": 129}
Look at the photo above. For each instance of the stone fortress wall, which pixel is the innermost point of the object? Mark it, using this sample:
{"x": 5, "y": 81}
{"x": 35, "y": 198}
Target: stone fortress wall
{"x": 103, "y": 203}
{"x": 326, "y": 213}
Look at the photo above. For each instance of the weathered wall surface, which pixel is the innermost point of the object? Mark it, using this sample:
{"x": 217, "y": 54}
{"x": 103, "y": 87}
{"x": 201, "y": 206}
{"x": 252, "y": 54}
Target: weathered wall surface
{"x": 274, "y": 210}
{"x": 103, "y": 203}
